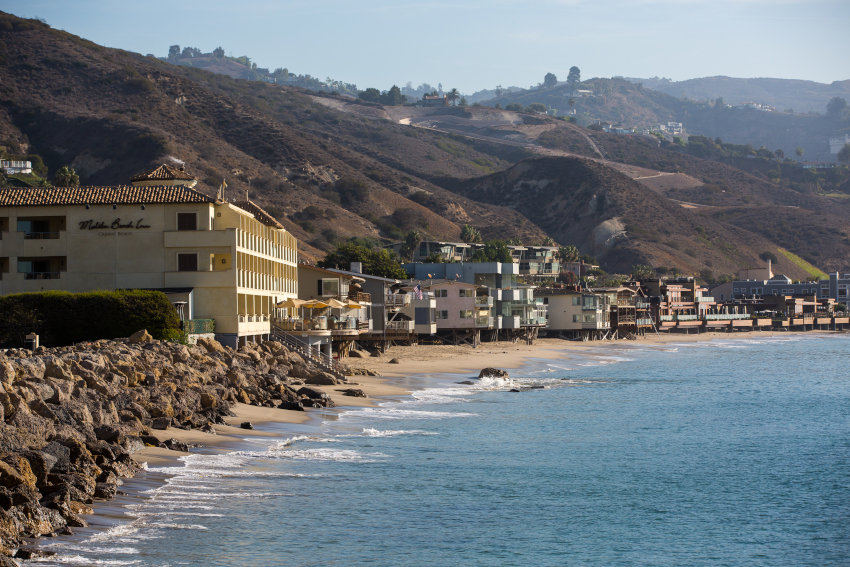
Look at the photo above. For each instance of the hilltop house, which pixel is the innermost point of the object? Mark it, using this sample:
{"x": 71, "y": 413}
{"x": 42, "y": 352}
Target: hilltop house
{"x": 434, "y": 101}
{"x": 12, "y": 167}
{"x": 228, "y": 263}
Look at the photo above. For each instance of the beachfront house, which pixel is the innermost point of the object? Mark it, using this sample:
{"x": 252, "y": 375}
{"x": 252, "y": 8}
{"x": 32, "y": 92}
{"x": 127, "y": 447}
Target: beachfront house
{"x": 574, "y": 313}
{"x": 514, "y": 301}
{"x": 463, "y": 310}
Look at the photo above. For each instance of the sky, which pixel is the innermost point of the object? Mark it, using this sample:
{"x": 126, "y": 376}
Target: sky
{"x": 476, "y": 44}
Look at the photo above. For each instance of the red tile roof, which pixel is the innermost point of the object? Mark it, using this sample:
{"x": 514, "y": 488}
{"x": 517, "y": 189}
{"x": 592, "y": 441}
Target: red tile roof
{"x": 258, "y": 213}
{"x": 164, "y": 172}
{"x": 121, "y": 195}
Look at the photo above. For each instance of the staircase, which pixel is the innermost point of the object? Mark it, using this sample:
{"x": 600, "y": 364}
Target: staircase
{"x": 314, "y": 356}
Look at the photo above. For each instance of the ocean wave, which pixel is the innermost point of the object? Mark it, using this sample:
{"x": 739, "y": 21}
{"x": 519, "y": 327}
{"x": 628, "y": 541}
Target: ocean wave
{"x": 398, "y": 413}
{"x": 369, "y": 432}
{"x": 180, "y": 526}
{"x": 80, "y": 560}
{"x": 345, "y": 455}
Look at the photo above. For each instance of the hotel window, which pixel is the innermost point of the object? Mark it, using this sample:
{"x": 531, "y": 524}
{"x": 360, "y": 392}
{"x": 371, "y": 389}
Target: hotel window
{"x": 466, "y": 314}
{"x": 187, "y": 221}
{"x": 442, "y": 314}
{"x": 465, "y": 293}
{"x": 575, "y": 318}
{"x": 441, "y": 293}
{"x": 576, "y": 301}
{"x": 187, "y": 262}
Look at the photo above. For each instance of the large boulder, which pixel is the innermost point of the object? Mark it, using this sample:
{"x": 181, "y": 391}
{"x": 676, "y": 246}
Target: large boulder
{"x": 493, "y": 373}
{"x": 321, "y": 379}
{"x": 140, "y": 337}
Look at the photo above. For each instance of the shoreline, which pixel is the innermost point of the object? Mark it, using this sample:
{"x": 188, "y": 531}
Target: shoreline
{"x": 399, "y": 381}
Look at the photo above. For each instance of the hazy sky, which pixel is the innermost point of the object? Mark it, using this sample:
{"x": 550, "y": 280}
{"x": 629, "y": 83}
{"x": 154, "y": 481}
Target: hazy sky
{"x": 476, "y": 44}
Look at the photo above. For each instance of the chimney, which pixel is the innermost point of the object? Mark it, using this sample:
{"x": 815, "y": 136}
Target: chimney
{"x": 357, "y": 267}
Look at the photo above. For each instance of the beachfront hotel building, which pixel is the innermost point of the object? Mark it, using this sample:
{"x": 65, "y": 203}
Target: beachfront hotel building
{"x": 224, "y": 265}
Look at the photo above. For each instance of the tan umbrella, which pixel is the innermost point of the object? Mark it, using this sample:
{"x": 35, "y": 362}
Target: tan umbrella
{"x": 314, "y": 304}
{"x": 336, "y": 304}
{"x": 291, "y": 303}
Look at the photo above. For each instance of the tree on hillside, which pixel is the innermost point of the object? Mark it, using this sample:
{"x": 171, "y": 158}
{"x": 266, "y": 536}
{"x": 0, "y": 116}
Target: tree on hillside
{"x": 536, "y": 107}
{"x": 219, "y": 52}
{"x": 799, "y": 153}
{"x": 515, "y": 106}
{"x": 547, "y": 241}
{"x": 780, "y": 155}
{"x": 412, "y": 240}
{"x": 370, "y": 95}
{"x": 550, "y": 80}
{"x": 376, "y": 262}
{"x": 835, "y": 106}
{"x": 453, "y": 95}
{"x": 571, "y": 102}
{"x": 281, "y": 73}
{"x": 765, "y": 256}
{"x": 66, "y": 177}
{"x": 469, "y": 234}
{"x": 394, "y": 97}
{"x": 174, "y": 52}
{"x": 499, "y": 91}
{"x": 493, "y": 251}
{"x": 844, "y": 155}
{"x": 574, "y": 78}
{"x": 568, "y": 253}
{"x": 463, "y": 102}
{"x": 642, "y": 272}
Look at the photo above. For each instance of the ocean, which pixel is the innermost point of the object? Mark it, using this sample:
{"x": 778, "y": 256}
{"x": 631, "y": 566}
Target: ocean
{"x": 728, "y": 452}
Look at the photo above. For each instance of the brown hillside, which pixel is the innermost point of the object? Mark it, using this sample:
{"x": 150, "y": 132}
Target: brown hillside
{"x": 619, "y": 220}
{"x": 110, "y": 113}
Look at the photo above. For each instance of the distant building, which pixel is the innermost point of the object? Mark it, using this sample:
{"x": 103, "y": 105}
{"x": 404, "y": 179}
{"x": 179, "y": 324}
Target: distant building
{"x": 836, "y": 288}
{"x": 11, "y": 167}
{"x": 817, "y": 165}
{"x": 835, "y": 144}
{"x": 164, "y": 176}
{"x": 434, "y": 100}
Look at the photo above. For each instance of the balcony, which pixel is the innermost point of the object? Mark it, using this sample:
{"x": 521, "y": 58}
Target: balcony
{"x": 41, "y": 236}
{"x": 484, "y": 321}
{"x": 483, "y": 301}
{"x": 705, "y": 300}
{"x": 644, "y": 322}
{"x": 41, "y": 275}
{"x": 726, "y": 316}
{"x": 400, "y": 326}
{"x": 397, "y": 300}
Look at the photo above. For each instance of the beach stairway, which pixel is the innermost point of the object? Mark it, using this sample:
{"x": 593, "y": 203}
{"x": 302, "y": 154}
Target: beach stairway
{"x": 312, "y": 355}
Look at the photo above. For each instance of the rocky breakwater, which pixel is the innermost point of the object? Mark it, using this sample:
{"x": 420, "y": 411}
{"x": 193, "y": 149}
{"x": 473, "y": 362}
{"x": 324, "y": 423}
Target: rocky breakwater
{"x": 70, "y": 417}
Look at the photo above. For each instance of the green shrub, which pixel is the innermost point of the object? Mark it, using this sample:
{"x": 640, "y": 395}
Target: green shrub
{"x": 63, "y": 318}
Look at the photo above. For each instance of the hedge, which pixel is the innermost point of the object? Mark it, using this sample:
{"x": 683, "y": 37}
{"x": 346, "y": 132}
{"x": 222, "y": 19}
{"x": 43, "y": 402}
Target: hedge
{"x": 62, "y": 318}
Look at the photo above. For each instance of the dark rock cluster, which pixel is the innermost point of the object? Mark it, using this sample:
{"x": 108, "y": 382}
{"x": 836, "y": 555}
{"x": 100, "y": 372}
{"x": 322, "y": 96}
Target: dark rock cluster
{"x": 70, "y": 417}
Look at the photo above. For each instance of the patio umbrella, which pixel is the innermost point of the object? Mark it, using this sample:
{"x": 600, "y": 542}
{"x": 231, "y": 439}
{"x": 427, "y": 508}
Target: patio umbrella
{"x": 291, "y": 302}
{"x": 336, "y": 304}
{"x": 314, "y": 304}
{"x": 353, "y": 304}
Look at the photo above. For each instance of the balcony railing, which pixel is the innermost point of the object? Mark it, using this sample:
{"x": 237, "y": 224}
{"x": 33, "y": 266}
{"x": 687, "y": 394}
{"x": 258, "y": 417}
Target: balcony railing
{"x": 399, "y": 326}
{"x": 687, "y": 317}
{"x": 705, "y": 300}
{"x": 484, "y": 300}
{"x": 397, "y": 300}
{"x": 643, "y": 321}
{"x": 41, "y": 276}
{"x": 484, "y": 321}
{"x": 41, "y": 235}
{"x": 726, "y": 316}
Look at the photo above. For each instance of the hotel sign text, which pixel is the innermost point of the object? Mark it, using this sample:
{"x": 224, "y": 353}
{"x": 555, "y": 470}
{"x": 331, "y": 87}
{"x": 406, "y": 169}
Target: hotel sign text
{"x": 115, "y": 225}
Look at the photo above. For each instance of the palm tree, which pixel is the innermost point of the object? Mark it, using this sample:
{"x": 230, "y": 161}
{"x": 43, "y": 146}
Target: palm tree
{"x": 799, "y": 152}
{"x": 568, "y": 253}
{"x": 453, "y": 95}
{"x": 547, "y": 241}
{"x": 66, "y": 177}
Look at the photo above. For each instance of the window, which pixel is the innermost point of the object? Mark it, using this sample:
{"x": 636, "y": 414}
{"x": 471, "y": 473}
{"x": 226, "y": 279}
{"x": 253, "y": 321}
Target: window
{"x": 441, "y": 293}
{"x": 329, "y": 287}
{"x": 735, "y": 290}
{"x": 590, "y": 318}
{"x": 465, "y": 293}
{"x": 442, "y": 314}
{"x": 575, "y": 318}
{"x": 466, "y": 314}
{"x": 545, "y": 301}
{"x": 187, "y": 221}
{"x": 576, "y": 301}
{"x": 187, "y": 262}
